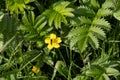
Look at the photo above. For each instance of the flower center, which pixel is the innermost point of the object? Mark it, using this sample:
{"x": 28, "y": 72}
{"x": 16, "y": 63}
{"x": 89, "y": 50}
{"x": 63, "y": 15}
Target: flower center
{"x": 52, "y": 41}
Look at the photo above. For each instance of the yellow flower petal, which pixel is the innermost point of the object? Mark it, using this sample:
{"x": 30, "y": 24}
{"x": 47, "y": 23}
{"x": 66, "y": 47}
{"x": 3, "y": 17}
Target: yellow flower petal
{"x": 47, "y": 40}
{"x": 59, "y": 40}
{"x": 56, "y": 45}
{"x": 35, "y": 69}
{"x": 50, "y": 46}
{"x": 52, "y": 36}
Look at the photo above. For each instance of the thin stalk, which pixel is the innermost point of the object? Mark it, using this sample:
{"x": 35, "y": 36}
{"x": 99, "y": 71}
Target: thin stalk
{"x": 61, "y": 56}
{"x": 69, "y": 73}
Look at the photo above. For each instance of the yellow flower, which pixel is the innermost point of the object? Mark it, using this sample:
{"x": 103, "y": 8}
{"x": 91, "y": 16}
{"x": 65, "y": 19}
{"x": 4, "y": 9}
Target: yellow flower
{"x": 53, "y": 41}
{"x": 35, "y": 69}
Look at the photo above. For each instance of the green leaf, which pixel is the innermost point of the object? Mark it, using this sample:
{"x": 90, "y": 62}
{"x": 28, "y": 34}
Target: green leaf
{"x": 39, "y": 20}
{"x": 57, "y": 20}
{"x": 82, "y": 44}
{"x": 16, "y": 6}
{"x": 95, "y": 70}
{"x": 106, "y": 77}
{"x": 77, "y": 31}
{"x": 98, "y": 32}
{"x": 101, "y": 23}
{"x": 117, "y": 15}
{"x": 95, "y": 3}
{"x": 41, "y": 26}
{"x": 108, "y": 4}
{"x": 59, "y": 12}
{"x": 1, "y": 16}
{"x": 104, "y": 12}
{"x": 1, "y": 40}
{"x": 75, "y": 39}
{"x": 112, "y": 71}
{"x": 32, "y": 17}
{"x": 93, "y": 41}
{"x": 80, "y": 77}
{"x": 12, "y": 77}
{"x": 25, "y": 19}
{"x": 51, "y": 18}
{"x": 84, "y": 20}
{"x": 84, "y": 11}
{"x": 61, "y": 68}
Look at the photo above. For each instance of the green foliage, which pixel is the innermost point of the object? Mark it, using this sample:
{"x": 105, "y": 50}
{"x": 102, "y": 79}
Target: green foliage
{"x": 102, "y": 68}
{"x": 16, "y": 6}
{"x": 58, "y": 13}
{"x": 35, "y": 28}
{"x": 88, "y": 50}
{"x": 117, "y": 15}
{"x": 91, "y": 28}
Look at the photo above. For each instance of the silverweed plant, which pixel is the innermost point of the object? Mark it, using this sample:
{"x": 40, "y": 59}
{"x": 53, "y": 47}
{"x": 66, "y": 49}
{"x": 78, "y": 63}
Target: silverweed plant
{"x": 60, "y": 40}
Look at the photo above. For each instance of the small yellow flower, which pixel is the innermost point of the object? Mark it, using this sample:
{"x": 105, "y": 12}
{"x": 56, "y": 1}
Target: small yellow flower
{"x": 35, "y": 69}
{"x": 53, "y": 41}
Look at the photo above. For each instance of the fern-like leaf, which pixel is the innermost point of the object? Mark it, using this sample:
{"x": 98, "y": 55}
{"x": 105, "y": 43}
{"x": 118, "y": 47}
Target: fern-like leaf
{"x": 108, "y": 4}
{"x": 77, "y": 31}
{"x": 15, "y": 5}
{"x": 95, "y": 3}
{"x": 93, "y": 41}
{"x": 83, "y": 43}
{"x": 79, "y": 36}
{"x": 84, "y": 20}
{"x": 104, "y": 12}
{"x": 34, "y": 27}
{"x": 59, "y": 12}
{"x": 84, "y": 11}
{"x": 101, "y": 23}
{"x": 98, "y": 32}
